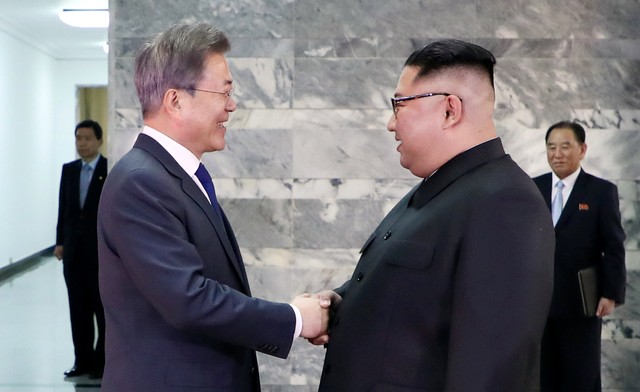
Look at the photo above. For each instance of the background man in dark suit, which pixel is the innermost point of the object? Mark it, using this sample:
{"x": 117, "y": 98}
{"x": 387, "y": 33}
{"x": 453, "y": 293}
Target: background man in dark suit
{"x": 588, "y": 234}
{"x": 452, "y": 289}
{"x": 77, "y": 245}
{"x": 179, "y": 312}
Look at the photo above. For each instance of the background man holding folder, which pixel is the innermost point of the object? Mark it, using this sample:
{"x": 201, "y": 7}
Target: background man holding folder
{"x": 589, "y": 234}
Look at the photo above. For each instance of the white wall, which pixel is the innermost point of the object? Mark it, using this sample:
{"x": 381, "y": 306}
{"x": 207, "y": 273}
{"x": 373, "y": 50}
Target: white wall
{"x": 37, "y": 119}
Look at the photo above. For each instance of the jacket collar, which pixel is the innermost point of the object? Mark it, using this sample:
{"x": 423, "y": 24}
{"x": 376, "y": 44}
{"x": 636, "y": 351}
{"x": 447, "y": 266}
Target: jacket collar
{"x": 454, "y": 168}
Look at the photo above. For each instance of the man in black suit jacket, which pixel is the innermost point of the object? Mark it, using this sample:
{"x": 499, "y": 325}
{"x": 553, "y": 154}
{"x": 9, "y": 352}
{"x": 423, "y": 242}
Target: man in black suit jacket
{"x": 452, "y": 289}
{"x": 77, "y": 246}
{"x": 178, "y": 307}
{"x": 588, "y": 234}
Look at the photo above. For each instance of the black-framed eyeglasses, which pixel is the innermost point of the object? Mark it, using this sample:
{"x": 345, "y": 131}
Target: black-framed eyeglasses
{"x": 396, "y": 100}
{"x": 227, "y": 93}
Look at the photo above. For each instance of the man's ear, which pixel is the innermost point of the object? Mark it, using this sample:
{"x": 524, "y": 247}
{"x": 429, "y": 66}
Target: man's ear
{"x": 171, "y": 101}
{"x": 583, "y": 150}
{"x": 453, "y": 109}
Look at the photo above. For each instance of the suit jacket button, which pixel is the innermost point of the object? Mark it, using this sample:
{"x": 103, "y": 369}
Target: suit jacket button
{"x": 360, "y": 276}
{"x": 386, "y": 235}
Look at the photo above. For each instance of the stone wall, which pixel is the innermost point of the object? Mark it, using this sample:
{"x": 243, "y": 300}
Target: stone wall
{"x": 310, "y": 169}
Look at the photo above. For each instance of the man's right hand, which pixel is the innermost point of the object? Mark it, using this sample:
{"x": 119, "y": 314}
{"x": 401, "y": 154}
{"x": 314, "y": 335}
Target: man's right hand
{"x": 57, "y": 252}
{"x": 328, "y": 298}
{"x": 315, "y": 316}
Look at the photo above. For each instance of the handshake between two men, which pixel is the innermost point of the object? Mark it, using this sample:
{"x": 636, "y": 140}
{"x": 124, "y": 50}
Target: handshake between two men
{"x": 315, "y": 313}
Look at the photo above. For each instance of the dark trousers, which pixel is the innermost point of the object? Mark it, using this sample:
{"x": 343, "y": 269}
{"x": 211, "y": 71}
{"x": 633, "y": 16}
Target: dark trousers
{"x": 85, "y": 306}
{"x": 570, "y": 359}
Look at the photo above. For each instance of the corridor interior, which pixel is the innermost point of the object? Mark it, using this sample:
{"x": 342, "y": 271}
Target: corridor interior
{"x": 35, "y": 338}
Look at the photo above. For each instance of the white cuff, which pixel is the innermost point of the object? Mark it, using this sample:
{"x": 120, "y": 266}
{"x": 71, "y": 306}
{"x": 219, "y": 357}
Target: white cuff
{"x": 298, "y": 329}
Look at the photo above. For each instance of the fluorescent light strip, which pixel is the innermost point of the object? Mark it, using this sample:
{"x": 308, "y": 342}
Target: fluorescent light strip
{"x": 87, "y": 18}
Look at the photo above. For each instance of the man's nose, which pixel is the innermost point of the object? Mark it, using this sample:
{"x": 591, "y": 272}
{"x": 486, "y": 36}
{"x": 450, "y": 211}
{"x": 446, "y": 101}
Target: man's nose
{"x": 231, "y": 105}
{"x": 391, "y": 124}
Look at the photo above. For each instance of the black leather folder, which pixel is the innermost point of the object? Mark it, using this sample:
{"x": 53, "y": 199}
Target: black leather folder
{"x": 589, "y": 290}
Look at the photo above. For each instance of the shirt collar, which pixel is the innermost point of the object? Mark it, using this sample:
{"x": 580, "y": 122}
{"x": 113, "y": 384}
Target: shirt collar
{"x": 569, "y": 181}
{"x": 93, "y": 163}
{"x": 180, "y": 153}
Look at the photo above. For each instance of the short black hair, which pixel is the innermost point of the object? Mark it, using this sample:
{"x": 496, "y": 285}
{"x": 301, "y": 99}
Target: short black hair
{"x": 573, "y": 126}
{"x": 450, "y": 53}
{"x": 97, "y": 129}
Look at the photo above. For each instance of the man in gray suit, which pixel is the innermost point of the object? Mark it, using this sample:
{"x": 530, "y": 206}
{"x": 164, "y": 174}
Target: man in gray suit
{"x": 179, "y": 312}
{"x": 452, "y": 289}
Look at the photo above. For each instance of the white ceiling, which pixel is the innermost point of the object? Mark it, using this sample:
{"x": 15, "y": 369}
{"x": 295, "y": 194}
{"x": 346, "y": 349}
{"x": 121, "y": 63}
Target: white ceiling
{"x": 36, "y": 23}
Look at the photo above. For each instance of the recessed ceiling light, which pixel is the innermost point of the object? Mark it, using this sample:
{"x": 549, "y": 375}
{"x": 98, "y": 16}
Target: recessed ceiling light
{"x": 85, "y": 17}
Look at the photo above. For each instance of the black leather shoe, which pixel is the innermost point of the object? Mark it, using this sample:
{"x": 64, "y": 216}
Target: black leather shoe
{"x": 75, "y": 372}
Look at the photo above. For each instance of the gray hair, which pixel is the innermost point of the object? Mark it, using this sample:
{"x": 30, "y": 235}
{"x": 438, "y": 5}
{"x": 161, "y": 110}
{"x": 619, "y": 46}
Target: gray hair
{"x": 175, "y": 59}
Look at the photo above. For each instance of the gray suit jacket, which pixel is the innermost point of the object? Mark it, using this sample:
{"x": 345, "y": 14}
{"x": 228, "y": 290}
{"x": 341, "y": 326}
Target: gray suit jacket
{"x": 452, "y": 289}
{"x": 179, "y": 315}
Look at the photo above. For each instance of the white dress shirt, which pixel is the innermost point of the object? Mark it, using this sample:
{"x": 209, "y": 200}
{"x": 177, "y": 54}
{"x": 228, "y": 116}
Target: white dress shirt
{"x": 569, "y": 181}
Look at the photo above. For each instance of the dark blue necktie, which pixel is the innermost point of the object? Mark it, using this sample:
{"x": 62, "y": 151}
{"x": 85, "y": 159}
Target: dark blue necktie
{"x": 207, "y": 183}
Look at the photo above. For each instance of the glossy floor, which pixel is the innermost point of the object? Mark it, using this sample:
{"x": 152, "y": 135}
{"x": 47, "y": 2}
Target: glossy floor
{"x": 35, "y": 336}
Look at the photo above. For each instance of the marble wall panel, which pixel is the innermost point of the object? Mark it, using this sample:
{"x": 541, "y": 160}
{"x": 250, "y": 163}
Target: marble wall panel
{"x": 620, "y": 365}
{"x": 261, "y": 222}
{"x": 272, "y": 48}
{"x": 238, "y": 18}
{"x": 367, "y": 18}
{"x": 318, "y": 87}
{"x": 253, "y": 153}
{"x": 573, "y": 83}
{"x": 337, "y": 47}
{"x": 262, "y": 82}
{"x": 310, "y": 169}
{"x": 585, "y": 19}
{"x": 346, "y": 153}
{"x": 335, "y": 223}
{"x": 121, "y": 79}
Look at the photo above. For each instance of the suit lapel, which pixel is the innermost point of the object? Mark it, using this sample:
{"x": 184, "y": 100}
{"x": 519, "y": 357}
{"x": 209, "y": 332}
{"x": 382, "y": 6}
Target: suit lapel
{"x": 545, "y": 189}
{"x": 190, "y": 188}
{"x": 75, "y": 182}
{"x": 224, "y": 233}
{"x": 236, "y": 249}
